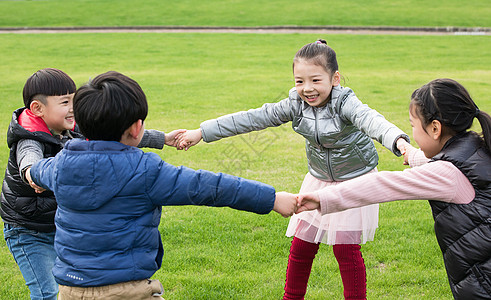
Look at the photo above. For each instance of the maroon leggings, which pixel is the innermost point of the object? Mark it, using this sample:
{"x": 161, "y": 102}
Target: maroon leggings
{"x": 351, "y": 266}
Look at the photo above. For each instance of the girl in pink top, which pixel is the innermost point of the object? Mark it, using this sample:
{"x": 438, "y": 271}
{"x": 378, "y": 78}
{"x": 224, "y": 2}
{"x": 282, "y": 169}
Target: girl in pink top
{"x": 457, "y": 180}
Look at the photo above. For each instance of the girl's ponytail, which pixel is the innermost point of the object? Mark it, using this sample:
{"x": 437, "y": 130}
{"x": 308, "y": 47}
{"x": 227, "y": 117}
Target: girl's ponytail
{"x": 485, "y": 121}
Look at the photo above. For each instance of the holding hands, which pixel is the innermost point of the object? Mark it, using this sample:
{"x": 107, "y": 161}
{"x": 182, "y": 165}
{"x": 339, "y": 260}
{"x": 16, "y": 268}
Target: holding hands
{"x": 36, "y": 188}
{"x": 307, "y": 201}
{"x": 285, "y": 204}
{"x": 172, "y": 138}
{"x": 405, "y": 149}
{"x": 403, "y": 146}
{"x": 288, "y": 204}
{"x": 188, "y": 139}
{"x": 182, "y": 138}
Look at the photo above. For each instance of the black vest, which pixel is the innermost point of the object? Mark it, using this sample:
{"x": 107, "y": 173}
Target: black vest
{"x": 20, "y": 205}
{"x": 463, "y": 231}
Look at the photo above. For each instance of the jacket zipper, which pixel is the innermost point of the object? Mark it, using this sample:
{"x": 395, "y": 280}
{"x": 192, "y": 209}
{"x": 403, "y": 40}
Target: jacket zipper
{"x": 317, "y": 139}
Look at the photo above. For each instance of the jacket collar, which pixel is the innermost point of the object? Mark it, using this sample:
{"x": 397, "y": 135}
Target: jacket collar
{"x": 32, "y": 123}
{"x": 89, "y": 145}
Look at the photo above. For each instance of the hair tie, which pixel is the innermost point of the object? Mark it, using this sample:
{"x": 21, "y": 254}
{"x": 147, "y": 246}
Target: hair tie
{"x": 477, "y": 112}
{"x": 318, "y": 42}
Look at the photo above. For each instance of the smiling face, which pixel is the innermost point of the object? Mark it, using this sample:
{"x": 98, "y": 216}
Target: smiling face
{"x": 57, "y": 113}
{"x": 313, "y": 82}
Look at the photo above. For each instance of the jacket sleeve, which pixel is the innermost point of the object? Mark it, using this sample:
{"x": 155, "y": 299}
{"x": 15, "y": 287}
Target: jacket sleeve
{"x": 269, "y": 115}
{"x": 27, "y": 153}
{"x": 170, "y": 185}
{"x": 370, "y": 122}
{"x": 152, "y": 139}
{"x": 42, "y": 173}
{"x": 440, "y": 181}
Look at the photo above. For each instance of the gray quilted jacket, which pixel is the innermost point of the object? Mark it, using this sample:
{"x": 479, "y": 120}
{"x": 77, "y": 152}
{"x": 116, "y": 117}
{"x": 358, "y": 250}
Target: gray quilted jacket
{"x": 338, "y": 136}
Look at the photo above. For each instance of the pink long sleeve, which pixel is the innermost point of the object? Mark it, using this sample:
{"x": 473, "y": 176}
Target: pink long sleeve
{"x": 439, "y": 180}
{"x": 416, "y": 157}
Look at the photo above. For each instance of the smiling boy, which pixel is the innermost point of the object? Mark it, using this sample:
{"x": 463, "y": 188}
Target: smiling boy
{"x": 37, "y": 130}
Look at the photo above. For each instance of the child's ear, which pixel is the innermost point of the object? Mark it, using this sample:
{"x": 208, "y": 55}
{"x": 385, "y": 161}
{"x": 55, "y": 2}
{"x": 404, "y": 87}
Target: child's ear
{"x": 436, "y": 129}
{"x": 336, "y": 78}
{"x": 135, "y": 129}
{"x": 37, "y": 108}
{"x": 131, "y": 136}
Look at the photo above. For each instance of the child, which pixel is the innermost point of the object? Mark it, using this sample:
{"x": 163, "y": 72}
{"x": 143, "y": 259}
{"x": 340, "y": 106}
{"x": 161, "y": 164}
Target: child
{"x": 110, "y": 194}
{"x": 338, "y": 129}
{"x": 39, "y": 130}
{"x": 457, "y": 180}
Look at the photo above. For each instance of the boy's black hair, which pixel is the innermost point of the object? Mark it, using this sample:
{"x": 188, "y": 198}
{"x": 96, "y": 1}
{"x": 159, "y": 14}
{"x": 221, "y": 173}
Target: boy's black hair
{"x": 47, "y": 82}
{"x": 108, "y": 105}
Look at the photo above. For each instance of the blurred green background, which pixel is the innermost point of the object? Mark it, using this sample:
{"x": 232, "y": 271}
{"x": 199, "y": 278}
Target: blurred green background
{"x": 219, "y": 253}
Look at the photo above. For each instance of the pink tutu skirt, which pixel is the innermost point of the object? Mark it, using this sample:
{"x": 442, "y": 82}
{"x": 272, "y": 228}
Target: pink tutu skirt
{"x": 352, "y": 226}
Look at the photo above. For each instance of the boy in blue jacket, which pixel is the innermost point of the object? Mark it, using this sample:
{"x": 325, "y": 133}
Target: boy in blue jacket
{"x": 110, "y": 196}
{"x": 39, "y": 130}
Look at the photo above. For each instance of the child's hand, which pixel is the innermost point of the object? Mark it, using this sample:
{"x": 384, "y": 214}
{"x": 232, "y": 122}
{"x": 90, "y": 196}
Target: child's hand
{"x": 285, "y": 204}
{"x": 409, "y": 149}
{"x": 403, "y": 147}
{"x": 36, "y": 188}
{"x": 189, "y": 138}
{"x": 307, "y": 201}
{"x": 172, "y": 138}
{"x": 401, "y": 144}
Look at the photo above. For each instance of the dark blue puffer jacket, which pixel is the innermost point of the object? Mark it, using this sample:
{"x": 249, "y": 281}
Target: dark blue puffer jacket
{"x": 110, "y": 199}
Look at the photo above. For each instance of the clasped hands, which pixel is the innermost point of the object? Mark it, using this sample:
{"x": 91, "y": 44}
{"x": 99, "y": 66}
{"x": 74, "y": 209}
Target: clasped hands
{"x": 287, "y": 204}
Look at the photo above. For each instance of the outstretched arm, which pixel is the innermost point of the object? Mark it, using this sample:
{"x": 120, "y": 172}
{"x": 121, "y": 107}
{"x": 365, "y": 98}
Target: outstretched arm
{"x": 268, "y": 115}
{"x": 440, "y": 181}
{"x": 372, "y": 123}
{"x": 184, "y": 186}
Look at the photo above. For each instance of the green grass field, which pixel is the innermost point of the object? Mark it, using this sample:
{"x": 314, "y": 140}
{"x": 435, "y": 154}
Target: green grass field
{"x": 442, "y": 13}
{"x": 219, "y": 253}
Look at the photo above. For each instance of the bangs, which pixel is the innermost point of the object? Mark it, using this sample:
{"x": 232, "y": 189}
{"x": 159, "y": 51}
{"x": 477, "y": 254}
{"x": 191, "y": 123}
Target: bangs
{"x": 48, "y": 82}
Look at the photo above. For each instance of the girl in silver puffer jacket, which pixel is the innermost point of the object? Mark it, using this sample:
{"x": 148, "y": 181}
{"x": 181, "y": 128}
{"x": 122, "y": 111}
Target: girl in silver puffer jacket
{"x": 338, "y": 130}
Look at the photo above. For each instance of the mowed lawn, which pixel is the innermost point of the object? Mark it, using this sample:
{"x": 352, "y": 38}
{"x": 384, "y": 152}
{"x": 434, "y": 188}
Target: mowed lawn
{"x": 219, "y": 253}
{"x": 442, "y": 13}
